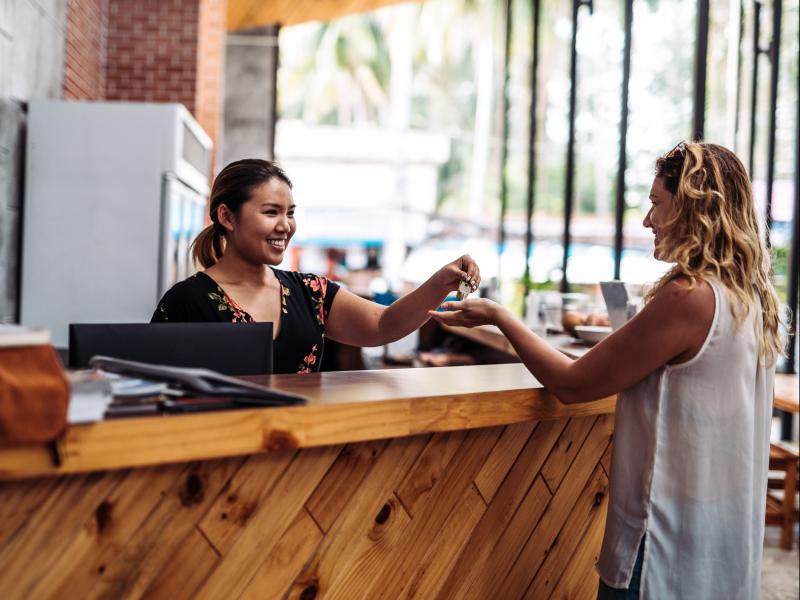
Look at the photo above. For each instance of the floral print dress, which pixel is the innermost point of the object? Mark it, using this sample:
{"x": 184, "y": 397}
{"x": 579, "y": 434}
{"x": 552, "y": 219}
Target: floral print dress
{"x": 306, "y": 301}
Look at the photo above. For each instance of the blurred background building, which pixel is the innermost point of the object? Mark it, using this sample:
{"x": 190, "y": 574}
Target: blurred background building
{"x": 417, "y": 131}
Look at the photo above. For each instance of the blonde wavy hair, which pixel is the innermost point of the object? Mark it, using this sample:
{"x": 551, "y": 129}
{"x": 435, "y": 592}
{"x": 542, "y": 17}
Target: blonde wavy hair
{"x": 714, "y": 231}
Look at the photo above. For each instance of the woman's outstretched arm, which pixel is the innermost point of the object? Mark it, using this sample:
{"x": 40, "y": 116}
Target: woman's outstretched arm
{"x": 359, "y": 322}
{"x": 670, "y": 328}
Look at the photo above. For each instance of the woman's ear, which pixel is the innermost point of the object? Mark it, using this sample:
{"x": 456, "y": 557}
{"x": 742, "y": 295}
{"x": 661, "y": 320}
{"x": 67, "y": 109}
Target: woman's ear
{"x": 225, "y": 217}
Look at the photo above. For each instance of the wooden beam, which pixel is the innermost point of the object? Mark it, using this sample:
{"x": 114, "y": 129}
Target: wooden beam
{"x": 244, "y": 14}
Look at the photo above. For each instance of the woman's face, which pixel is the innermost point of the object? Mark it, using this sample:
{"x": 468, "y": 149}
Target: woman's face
{"x": 265, "y": 223}
{"x": 662, "y": 205}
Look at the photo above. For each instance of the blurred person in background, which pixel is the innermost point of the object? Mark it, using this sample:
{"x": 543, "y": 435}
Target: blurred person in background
{"x": 252, "y": 216}
{"x": 694, "y": 375}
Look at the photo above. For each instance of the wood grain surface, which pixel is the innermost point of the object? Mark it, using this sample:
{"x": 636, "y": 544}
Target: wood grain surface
{"x": 511, "y": 511}
{"x": 342, "y": 408}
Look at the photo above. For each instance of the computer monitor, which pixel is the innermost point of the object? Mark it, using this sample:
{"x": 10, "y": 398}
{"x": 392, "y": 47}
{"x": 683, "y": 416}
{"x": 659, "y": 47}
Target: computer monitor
{"x": 229, "y": 348}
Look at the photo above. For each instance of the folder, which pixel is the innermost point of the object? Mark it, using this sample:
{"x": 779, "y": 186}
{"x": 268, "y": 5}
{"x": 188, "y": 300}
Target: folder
{"x": 200, "y": 382}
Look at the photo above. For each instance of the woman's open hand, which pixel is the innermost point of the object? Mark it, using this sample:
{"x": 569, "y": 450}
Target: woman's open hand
{"x": 452, "y": 274}
{"x": 467, "y": 313}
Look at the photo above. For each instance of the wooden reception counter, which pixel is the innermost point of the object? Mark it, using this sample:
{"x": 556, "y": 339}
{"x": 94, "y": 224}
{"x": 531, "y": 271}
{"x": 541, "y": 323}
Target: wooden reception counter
{"x": 458, "y": 482}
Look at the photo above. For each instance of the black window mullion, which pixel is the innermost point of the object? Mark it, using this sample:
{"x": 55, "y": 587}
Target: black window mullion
{"x": 619, "y": 209}
{"x": 700, "y": 66}
{"x": 570, "y": 174}
{"x": 757, "y": 51}
{"x": 536, "y": 6}
{"x": 774, "y": 56}
{"x": 501, "y": 238}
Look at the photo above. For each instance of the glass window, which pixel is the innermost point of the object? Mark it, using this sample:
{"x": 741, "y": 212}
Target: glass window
{"x": 661, "y": 93}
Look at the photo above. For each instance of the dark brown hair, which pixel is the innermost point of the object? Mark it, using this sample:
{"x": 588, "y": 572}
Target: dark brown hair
{"x": 232, "y": 187}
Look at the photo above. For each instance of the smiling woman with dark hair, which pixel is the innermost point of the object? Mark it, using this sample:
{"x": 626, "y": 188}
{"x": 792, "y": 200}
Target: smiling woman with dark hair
{"x": 252, "y": 223}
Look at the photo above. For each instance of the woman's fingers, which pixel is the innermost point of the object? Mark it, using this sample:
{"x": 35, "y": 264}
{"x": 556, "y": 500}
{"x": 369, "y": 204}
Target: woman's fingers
{"x": 470, "y": 278}
{"x": 472, "y": 271}
{"x": 452, "y": 305}
{"x": 446, "y": 318}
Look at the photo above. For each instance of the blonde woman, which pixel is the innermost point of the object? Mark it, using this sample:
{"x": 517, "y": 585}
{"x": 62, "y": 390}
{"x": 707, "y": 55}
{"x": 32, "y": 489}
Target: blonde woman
{"x": 694, "y": 372}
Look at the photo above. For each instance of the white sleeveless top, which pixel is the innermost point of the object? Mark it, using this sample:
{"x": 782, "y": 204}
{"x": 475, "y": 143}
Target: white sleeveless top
{"x": 689, "y": 470}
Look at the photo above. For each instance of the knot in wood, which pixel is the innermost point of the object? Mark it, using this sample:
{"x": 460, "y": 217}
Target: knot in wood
{"x": 310, "y": 592}
{"x": 102, "y": 515}
{"x": 192, "y": 492}
{"x": 383, "y": 514}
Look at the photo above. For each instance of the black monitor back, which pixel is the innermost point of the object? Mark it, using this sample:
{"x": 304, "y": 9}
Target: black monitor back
{"x": 230, "y": 348}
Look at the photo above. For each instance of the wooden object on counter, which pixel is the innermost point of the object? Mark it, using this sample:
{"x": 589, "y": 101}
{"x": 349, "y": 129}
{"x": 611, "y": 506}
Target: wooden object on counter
{"x": 782, "y": 509}
{"x": 509, "y": 511}
{"x": 786, "y": 392}
{"x": 343, "y": 407}
{"x": 33, "y": 389}
{"x": 783, "y": 457}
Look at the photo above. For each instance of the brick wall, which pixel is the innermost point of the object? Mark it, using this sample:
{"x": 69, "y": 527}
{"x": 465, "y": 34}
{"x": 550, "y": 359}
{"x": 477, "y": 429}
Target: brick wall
{"x": 85, "y": 50}
{"x": 148, "y": 51}
{"x": 152, "y": 51}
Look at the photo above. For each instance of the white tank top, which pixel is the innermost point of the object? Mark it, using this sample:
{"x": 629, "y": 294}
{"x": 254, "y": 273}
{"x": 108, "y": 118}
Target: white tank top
{"x": 689, "y": 470}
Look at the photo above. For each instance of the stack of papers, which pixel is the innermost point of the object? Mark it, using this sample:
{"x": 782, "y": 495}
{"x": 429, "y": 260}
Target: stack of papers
{"x": 15, "y": 336}
{"x": 89, "y": 397}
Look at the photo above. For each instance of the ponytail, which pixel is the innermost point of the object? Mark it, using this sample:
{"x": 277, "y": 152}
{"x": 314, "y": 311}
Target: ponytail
{"x": 207, "y": 247}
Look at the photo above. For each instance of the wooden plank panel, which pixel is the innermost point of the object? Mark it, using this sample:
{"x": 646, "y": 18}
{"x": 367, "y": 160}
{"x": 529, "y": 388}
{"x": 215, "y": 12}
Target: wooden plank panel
{"x": 428, "y": 469}
{"x": 476, "y": 410}
{"x": 21, "y": 499}
{"x": 434, "y": 512}
{"x": 557, "y": 512}
{"x": 370, "y": 523}
{"x": 51, "y": 530}
{"x": 353, "y": 575}
{"x": 588, "y": 585}
{"x": 513, "y": 491}
{"x": 590, "y": 505}
{"x": 268, "y": 523}
{"x": 233, "y": 508}
{"x": 156, "y": 542}
{"x": 443, "y": 553}
{"x": 605, "y": 460}
{"x": 565, "y": 450}
{"x": 263, "y": 540}
{"x": 482, "y": 579}
{"x": 98, "y": 541}
{"x": 503, "y": 455}
{"x": 344, "y": 477}
{"x": 580, "y": 572}
{"x": 286, "y": 560}
{"x": 188, "y": 568}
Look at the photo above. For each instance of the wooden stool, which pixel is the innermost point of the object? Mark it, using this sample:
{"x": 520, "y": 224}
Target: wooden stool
{"x": 783, "y": 511}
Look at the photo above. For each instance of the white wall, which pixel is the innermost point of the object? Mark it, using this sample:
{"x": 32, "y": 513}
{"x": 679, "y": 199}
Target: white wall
{"x": 31, "y": 66}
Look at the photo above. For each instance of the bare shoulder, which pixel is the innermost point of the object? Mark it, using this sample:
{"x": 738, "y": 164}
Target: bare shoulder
{"x": 687, "y": 299}
{"x": 687, "y": 312}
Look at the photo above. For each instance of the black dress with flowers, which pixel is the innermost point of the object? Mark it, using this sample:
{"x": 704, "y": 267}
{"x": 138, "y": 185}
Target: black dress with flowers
{"x": 306, "y": 301}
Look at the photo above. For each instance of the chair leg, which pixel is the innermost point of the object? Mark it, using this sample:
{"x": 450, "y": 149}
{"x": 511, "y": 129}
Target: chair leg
{"x": 789, "y": 491}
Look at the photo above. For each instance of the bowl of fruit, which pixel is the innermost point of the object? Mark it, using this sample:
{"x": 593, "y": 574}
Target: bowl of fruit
{"x": 585, "y": 326}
